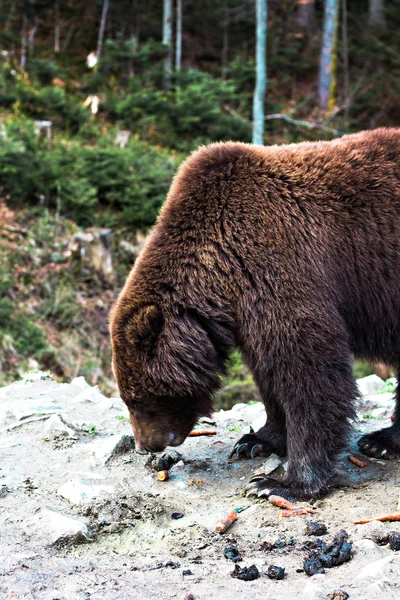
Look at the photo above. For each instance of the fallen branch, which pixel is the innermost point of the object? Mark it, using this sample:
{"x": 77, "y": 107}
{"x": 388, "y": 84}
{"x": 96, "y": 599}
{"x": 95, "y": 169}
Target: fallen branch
{"x": 307, "y": 124}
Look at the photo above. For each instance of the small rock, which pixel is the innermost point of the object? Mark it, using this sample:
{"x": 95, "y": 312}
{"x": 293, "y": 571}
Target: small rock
{"x": 78, "y": 491}
{"x": 177, "y": 515}
{"x": 231, "y": 552}
{"x": 80, "y": 382}
{"x": 55, "y": 427}
{"x": 245, "y": 573}
{"x": 186, "y": 572}
{"x": 367, "y": 547}
{"x": 275, "y": 572}
{"x": 90, "y": 395}
{"x": 51, "y": 528}
{"x": 370, "y": 385}
{"x": 165, "y": 461}
{"x": 269, "y": 465}
{"x": 338, "y": 595}
{"x": 114, "y": 446}
{"x": 315, "y": 529}
{"x": 375, "y": 531}
{"x": 394, "y": 540}
{"x": 379, "y": 569}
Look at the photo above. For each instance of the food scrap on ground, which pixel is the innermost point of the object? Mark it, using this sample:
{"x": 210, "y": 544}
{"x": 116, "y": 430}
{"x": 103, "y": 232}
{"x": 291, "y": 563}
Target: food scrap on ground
{"x": 162, "y": 475}
{"x": 224, "y": 523}
{"x": 356, "y": 461}
{"x": 197, "y": 432}
{"x": 289, "y": 508}
{"x": 395, "y": 516}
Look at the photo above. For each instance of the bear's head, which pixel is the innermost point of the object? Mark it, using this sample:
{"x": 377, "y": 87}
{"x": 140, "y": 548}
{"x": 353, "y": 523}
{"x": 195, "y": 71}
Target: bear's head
{"x": 167, "y": 363}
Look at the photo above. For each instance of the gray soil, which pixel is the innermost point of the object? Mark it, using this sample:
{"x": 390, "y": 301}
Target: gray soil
{"x": 122, "y": 541}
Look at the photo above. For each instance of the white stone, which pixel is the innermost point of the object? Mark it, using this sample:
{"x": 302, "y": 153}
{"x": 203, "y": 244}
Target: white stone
{"x": 379, "y": 569}
{"x": 89, "y": 394}
{"x": 116, "y": 444}
{"x": 367, "y": 547}
{"x": 80, "y": 382}
{"x": 370, "y": 385}
{"x": 51, "y": 528}
{"x": 79, "y": 490}
{"x": 28, "y": 407}
{"x": 375, "y": 530}
{"x": 55, "y": 427}
{"x": 269, "y": 465}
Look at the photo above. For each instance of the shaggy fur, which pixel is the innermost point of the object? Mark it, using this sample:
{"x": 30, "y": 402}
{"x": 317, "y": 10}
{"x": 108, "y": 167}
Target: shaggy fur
{"x": 289, "y": 253}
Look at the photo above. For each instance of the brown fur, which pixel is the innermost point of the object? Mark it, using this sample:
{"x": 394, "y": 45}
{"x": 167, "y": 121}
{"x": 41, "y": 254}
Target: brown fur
{"x": 289, "y": 253}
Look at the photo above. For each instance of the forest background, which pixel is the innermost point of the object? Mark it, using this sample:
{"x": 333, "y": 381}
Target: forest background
{"x": 101, "y": 100}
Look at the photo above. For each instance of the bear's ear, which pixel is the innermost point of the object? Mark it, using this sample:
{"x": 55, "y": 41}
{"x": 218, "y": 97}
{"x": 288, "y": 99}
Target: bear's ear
{"x": 144, "y": 328}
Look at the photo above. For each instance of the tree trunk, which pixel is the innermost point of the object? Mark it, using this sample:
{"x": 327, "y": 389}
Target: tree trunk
{"x": 178, "y": 44}
{"x": 167, "y": 40}
{"x": 376, "y": 16}
{"x": 22, "y": 62}
{"x": 102, "y": 28}
{"x": 225, "y": 41}
{"x": 56, "y": 27}
{"x": 327, "y": 65}
{"x": 261, "y": 71}
{"x": 305, "y": 14}
{"x": 31, "y": 38}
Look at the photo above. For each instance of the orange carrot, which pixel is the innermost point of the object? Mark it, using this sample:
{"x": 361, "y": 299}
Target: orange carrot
{"x": 357, "y": 461}
{"x": 390, "y": 517}
{"x": 162, "y": 475}
{"x": 296, "y": 512}
{"x": 197, "y": 432}
{"x": 226, "y": 522}
{"x": 281, "y": 502}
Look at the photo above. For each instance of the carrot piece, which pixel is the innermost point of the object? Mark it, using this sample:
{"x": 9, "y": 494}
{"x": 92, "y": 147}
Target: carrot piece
{"x": 224, "y": 523}
{"x": 162, "y": 475}
{"x": 197, "y": 432}
{"x": 297, "y": 512}
{"x": 390, "y": 517}
{"x": 357, "y": 461}
{"x": 281, "y": 502}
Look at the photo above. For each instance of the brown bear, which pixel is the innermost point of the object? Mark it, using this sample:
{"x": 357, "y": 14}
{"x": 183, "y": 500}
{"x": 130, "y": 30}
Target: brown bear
{"x": 290, "y": 254}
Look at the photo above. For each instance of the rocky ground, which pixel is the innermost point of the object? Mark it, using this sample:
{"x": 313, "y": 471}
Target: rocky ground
{"x": 83, "y": 516}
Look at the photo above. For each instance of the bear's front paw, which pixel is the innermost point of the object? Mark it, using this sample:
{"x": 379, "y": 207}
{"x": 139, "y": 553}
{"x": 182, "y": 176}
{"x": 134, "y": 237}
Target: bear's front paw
{"x": 381, "y": 444}
{"x": 264, "y": 487}
{"x": 250, "y": 446}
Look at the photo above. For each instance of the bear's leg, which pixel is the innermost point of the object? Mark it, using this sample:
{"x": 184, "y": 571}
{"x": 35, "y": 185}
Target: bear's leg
{"x": 384, "y": 443}
{"x": 315, "y": 383}
{"x": 271, "y": 438}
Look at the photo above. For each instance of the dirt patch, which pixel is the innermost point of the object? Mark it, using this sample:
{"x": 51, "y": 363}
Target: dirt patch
{"x": 135, "y": 546}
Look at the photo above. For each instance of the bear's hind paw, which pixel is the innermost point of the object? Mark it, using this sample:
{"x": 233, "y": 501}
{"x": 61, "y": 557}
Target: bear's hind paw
{"x": 381, "y": 444}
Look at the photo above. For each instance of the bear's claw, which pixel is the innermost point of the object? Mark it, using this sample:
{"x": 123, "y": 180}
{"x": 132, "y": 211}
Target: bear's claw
{"x": 264, "y": 487}
{"x": 381, "y": 444}
{"x": 250, "y": 446}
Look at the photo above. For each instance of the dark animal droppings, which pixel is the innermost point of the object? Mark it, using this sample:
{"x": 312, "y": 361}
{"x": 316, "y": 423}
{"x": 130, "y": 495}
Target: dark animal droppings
{"x": 232, "y": 553}
{"x": 186, "y": 572}
{"x": 275, "y": 572}
{"x": 177, "y": 515}
{"x": 246, "y": 573}
{"x": 172, "y": 564}
{"x": 394, "y": 540}
{"x": 315, "y": 529}
{"x": 328, "y": 555}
